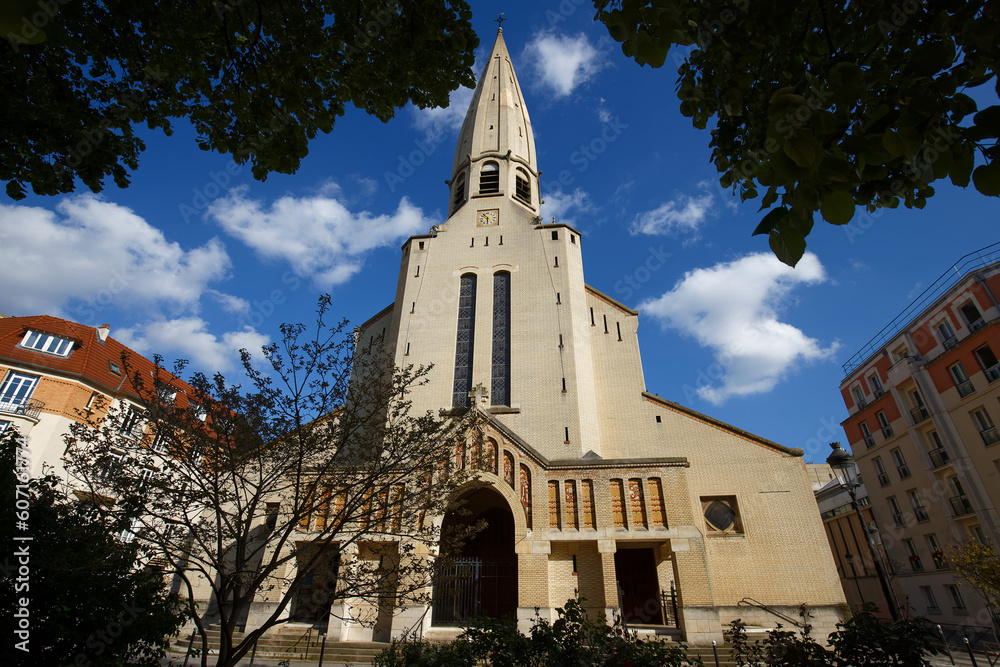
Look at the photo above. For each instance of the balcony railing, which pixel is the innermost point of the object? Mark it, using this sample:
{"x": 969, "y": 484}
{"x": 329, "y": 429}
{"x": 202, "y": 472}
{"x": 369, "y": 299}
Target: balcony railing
{"x": 939, "y": 560}
{"x": 904, "y": 471}
{"x": 921, "y": 514}
{"x": 861, "y": 403}
{"x": 869, "y": 441}
{"x": 919, "y": 413}
{"x": 883, "y": 479}
{"x": 878, "y": 392}
{"x": 939, "y": 457}
{"x": 992, "y": 373}
{"x": 886, "y": 431}
{"x": 966, "y": 388}
{"x": 29, "y": 408}
{"x": 960, "y": 505}
{"x": 950, "y": 342}
{"x": 990, "y": 436}
{"x": 977, "y": 325}
{"x": 915, "y": 564}
{"x": 899, "y": 519}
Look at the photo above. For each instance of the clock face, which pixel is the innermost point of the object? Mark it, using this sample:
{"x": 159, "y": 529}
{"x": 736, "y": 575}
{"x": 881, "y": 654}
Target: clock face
{"x": 487, "y": 218}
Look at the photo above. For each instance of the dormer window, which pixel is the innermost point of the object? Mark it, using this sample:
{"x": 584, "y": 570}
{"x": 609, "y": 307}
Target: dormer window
{"x": 459, "y": 197}
{"x": 198, "y": 410}
{"x": 42, "y": 342}
{"x": 522, "y": 185}
{"x": 489, "y": 178}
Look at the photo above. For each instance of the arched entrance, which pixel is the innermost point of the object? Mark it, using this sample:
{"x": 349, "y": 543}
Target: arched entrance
{"x": 479, "y": 577}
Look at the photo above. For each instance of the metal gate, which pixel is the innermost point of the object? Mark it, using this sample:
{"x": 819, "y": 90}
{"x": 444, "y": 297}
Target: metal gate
{"x": 471, "y": 587}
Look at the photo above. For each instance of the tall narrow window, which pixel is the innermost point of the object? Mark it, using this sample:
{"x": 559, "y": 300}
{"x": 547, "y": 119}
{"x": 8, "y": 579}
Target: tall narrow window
{"x": 489, "y": 178}
{"x": 522, "y": 185}
{"x": 465, "y": 340}
{"x": 500, "y": 383}
{"x": 459, "y": 197}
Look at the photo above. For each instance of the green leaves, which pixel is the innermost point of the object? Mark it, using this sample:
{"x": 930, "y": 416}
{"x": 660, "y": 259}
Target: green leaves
{"x": 838, "y": 208}
{"x": 865, "y": 106}
{"x": 217, "y": 65}
{"x": 987, "y": 179}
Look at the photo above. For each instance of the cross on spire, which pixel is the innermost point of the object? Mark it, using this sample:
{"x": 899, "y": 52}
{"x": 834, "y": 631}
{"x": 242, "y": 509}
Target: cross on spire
{"x": 500, "y": 19}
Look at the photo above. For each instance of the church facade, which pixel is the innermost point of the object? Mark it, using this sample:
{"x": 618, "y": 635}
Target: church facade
{"x": 594, "y": 487}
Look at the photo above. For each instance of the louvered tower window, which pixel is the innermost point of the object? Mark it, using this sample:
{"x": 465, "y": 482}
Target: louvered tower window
{"x": 465, "y": 340}
{"x": 489, "y": 178}
{"x": 459, "y": 197}
{"x": 500, "y": 384}
{"x": 522, "y": 185}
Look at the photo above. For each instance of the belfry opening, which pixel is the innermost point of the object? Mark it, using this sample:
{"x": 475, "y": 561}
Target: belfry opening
{"x": 477, "y": 576}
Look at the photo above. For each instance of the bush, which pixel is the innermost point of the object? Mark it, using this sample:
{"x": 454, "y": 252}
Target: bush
{"x": 572, "y": 640}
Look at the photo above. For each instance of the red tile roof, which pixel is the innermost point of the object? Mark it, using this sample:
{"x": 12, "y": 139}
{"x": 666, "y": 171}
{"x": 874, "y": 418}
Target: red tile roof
{"x": 89, "y": 359}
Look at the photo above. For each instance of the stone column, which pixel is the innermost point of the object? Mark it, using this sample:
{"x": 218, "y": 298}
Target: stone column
{"x": 699, "y": 616}
{"x": 607, "y": 550}
{"x": 533, "y": 582}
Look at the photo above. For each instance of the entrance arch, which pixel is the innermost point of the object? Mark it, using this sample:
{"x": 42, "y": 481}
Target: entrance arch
{"x": 478, "y": 577}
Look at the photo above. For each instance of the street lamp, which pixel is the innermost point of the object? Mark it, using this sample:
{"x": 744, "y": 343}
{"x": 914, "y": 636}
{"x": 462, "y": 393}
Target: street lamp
{"x": 843, "y": 467}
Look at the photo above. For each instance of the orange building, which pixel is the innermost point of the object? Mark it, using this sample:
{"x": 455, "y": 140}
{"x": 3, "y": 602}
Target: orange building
{"x": 923, "y": 402}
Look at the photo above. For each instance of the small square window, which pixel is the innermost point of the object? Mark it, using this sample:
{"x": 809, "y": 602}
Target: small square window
{"x": 658, "y": 419}
{"x": 115, "y": 368}
{"x": 555, "y": 235}
{"x": 420, "y": 245}
{"x": 722, "y": 515}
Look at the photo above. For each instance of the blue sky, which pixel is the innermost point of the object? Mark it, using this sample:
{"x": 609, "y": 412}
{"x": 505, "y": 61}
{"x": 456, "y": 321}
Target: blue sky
{"x": 197, "y": 259}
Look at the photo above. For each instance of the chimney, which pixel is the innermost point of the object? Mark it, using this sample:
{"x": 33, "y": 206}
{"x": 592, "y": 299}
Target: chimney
{"x": 103, "y": 331}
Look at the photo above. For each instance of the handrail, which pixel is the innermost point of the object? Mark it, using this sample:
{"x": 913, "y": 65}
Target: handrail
{"x": 750, "y": 602}
{"x": 28, "y": 408}
{"x": 308, "y": 633}
{"x": 413, "y": 628}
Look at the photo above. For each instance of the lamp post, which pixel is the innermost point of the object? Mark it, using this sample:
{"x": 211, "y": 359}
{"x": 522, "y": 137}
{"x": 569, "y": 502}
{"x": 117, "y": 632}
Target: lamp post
{"x": 843, "y": 467}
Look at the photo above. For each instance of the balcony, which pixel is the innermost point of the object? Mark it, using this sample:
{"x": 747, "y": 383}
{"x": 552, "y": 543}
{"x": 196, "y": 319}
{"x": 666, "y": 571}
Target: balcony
{"x": 919, "y": 413}
{"x": 899, "y": 519}
{"x": 990, "y": 436}
{"x": 883, "y": 479}
{"x": 992, "y": 373}
{"x": 886, "y": 432}
{"x": 950, "y": 342}
{"x": 903, "y": 470}
{"x": 939, "y": 457}
{"x": 861, "y": 403}
{"x": 960, "y": 505}
{"x": 878, "y": 392}
{"x": 921, "y": 514}
{"x": 29, "y": 408}
{"x": 977, "y": 325}
{"x": 869, "y": 441}
{"x": 966, "y": 388}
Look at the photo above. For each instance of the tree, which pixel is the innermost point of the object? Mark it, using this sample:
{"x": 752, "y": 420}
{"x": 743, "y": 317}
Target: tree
{"x": 83, "y": 595}
{"x": 829, "y": 106}
{"x": 257, "y": 80}
{"x": 979, "y": 564}
{"x": 316, "y": 484}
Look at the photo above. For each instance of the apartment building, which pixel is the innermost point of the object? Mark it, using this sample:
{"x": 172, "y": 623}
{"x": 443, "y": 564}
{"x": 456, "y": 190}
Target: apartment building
{"x": 924, "y": 400}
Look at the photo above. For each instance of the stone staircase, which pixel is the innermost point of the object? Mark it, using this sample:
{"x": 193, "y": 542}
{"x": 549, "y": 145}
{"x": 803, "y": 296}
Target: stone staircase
{"x": 295, "y": 643}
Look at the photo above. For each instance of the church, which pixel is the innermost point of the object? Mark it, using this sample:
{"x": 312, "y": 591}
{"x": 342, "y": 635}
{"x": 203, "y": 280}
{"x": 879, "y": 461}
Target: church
{"x": 594, "y": 486}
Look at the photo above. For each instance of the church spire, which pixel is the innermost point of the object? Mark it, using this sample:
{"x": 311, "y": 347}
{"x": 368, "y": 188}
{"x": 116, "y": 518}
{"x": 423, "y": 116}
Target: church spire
{"x": 497, "y": 128}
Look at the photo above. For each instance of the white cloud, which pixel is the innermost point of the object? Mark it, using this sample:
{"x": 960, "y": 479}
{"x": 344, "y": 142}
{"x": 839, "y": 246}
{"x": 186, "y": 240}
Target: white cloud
{"x": 684, "y": 214}
{"x": 440, "y": 123}
{"x": 189, "y": 338}
{"x": 100, "y": 253}
{"x": 318, "y": 236}
{"x": 562, "y": 205}
{"x": 733, "y": 309}
{"x": 563, "y": 62}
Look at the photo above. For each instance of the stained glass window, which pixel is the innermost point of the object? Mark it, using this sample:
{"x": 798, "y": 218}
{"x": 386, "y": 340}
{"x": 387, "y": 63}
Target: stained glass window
{"x": 721, "y": 515}
{"x": 500, "y": 384}
{"x": 465, "y": 340}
